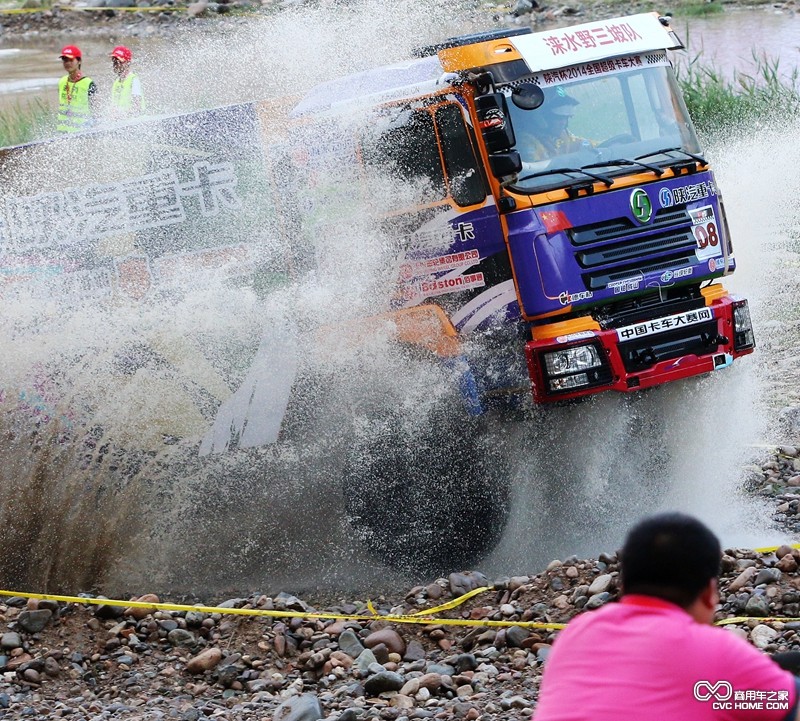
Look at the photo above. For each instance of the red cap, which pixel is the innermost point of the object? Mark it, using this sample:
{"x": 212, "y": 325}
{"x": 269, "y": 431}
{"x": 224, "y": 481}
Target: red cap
{"x": 71, "y": 51}
{"x": 122, "y": 53}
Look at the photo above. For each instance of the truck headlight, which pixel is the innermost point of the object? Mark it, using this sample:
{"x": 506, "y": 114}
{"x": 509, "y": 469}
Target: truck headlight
{"x": 743, "y": 337}
{"x": 571, "y": 360}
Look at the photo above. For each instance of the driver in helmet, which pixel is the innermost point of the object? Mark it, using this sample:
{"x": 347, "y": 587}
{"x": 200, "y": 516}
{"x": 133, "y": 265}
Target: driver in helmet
{"x": 550, "y": 135}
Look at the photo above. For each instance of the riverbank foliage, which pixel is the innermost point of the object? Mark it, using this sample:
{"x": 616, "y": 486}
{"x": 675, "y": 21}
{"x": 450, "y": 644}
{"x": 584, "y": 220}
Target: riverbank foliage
{"x": 719, "y": 103}
{"x": 23, "y": 123}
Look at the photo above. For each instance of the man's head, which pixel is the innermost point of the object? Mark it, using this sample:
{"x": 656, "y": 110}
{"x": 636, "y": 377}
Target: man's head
{"x": 71, "y": 57}
{"x": 556, "y": 111}
{"x": 120, "y": 58}
{"x": 671, "y": 556}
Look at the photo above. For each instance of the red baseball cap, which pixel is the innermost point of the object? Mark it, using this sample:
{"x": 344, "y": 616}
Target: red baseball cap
{"x": 122, "y": 53}
{"x": 71, "y": 52}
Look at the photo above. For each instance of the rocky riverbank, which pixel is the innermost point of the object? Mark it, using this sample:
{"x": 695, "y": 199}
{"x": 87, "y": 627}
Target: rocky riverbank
{"x": 81, "y": 661}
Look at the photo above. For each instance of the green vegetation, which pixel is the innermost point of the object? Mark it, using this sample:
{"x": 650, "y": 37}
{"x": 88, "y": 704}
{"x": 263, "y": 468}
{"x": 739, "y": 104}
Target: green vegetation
{"x": 23, "y": 123}
{"x": 718, "y": 103}
{"x": 698, "y": 8}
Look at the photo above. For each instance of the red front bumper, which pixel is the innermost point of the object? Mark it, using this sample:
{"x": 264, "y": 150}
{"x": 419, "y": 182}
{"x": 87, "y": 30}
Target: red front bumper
{"x": 632, "y": 362}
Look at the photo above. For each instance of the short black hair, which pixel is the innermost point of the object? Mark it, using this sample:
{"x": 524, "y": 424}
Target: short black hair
{"x": 671, "y": 556}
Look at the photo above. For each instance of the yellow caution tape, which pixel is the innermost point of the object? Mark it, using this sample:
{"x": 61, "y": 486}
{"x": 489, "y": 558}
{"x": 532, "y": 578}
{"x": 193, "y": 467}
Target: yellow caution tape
{"x": 761, "y": 619}
{"x": 452, "y": 604}
{"x": 415, "y": 619}
{"x": 770, "y": 549}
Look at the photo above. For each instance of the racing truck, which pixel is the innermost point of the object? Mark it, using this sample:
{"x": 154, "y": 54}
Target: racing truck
{"x": 551, "y": 231}
{"x": 553, "y": 267}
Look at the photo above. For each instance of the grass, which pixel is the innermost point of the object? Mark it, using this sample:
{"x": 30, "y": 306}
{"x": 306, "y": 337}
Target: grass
{"x": 719, "y": 103}
{"x": 24, "y": 123}
{"x": 698, "y": 8}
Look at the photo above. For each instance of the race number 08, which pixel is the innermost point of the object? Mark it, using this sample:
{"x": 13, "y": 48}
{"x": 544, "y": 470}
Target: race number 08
{"x": 706, "y": 235}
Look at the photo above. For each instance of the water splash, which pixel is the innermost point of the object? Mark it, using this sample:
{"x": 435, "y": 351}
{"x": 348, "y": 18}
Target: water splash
{"x": 145, "y": 370}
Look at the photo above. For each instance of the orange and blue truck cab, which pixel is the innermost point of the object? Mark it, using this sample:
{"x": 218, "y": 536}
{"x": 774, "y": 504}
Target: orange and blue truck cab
{"x": 569, "y": 233}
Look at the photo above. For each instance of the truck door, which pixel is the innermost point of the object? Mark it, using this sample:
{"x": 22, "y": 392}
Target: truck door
{"x": 452, "y": 246}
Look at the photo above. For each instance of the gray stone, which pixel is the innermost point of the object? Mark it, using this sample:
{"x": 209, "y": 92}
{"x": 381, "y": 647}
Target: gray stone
{"x": 767, "y": 575}
{"x": 600, "y": 584}
{"x": 305, "y": 707}
{"x": 350, "y": 643}
{"x": 414, "y": 651}
{"x": 181, "y": 637}
{"x": 757, "y": 606}
{"x": 515, "y": 635}
{"x": 365, "y": 659}
{"x": 598, "y": 600}
{"x": 383, "y": 681}
{"x": 34, "y": 621}
{"x": 10, "y": 640}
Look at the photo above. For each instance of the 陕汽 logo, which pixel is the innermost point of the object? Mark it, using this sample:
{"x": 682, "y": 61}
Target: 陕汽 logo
{"x": 641, "y": 207}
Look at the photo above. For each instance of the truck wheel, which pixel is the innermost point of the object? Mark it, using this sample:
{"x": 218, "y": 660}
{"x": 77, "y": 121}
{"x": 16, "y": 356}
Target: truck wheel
{"x": 427, "y": 499}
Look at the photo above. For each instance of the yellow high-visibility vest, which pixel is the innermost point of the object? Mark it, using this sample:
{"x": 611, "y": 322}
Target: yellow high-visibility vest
{"x": 74, "y": 111}
{"x": 121, "y": 98}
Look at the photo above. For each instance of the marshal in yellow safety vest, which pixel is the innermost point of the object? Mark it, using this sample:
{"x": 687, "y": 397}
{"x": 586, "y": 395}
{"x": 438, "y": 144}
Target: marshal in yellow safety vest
{"x": 74, "y": 107}
{"x": 123, "y": 95}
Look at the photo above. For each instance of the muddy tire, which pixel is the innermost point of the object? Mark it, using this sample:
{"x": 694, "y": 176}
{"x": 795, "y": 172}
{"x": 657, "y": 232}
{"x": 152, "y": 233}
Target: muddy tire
{"x": 430, "y": 498}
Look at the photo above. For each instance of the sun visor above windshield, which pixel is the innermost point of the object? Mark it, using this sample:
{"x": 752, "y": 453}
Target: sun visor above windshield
{"x": 597, "y": 40}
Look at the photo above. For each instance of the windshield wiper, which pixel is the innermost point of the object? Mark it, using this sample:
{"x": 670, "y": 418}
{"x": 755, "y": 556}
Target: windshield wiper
{"x": 699, "y": 158}
{"x": 625, "y": 162}
{"x": 564, "y": 171}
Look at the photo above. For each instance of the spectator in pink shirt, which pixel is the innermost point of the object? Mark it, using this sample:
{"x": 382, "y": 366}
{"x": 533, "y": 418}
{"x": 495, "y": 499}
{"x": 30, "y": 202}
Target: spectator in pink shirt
{"x": 655, "y": 656}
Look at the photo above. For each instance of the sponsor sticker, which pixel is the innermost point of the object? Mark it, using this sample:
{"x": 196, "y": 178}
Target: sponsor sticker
{"x": 668, "y": 197}
{"x": 427, "y": 266}
{"x": 567, "y": 298}
{"x": 442, "y": 286}
{"x": 580, "y": 335}
{"x": 661, "y": 325}
{"x": 669, "y": 276}
{"x": 625, "y": 286}
{"x": 706, "y": 232}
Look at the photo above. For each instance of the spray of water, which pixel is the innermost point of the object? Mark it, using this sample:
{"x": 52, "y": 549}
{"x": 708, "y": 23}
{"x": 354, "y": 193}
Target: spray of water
{"x": 141, "y": 362}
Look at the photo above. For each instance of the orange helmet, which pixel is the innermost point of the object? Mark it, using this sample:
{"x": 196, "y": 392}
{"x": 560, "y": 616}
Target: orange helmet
{"x": 122, "y": 53}
{"x": 71, "y": 52}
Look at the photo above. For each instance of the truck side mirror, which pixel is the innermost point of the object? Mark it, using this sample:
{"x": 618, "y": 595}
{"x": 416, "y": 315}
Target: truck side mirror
{"x": 527, "y": 96}
{"x": 505, "y": 164}
{"x": 494, "y": 122}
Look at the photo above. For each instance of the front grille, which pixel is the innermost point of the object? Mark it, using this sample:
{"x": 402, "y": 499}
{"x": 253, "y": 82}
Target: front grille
{"x": 616, "y": 249}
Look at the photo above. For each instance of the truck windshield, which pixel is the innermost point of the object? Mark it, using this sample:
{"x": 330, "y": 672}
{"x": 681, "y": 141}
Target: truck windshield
{"x": 617, "y": 114}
